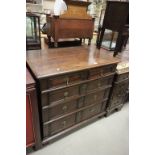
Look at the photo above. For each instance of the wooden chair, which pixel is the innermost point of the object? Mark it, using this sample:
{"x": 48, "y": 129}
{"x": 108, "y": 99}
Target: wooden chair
{"x": 116, "y": 15}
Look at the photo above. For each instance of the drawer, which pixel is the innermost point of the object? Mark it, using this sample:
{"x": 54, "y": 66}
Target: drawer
{"x": 59, "y": 110}
{"x": 119, "y": 91}
{"x": 63, "y": 80}
{"x": 99, "y": 83}
{"x": 61, "y": 94}
{"x": 121, "y": 88}
{"x": 117, "y": 102}
{"x": 100, "y": 71}
{"x": 93, "y": 98}
{"x": 121, "y": 77}
{"x": 91, "y": 111}
{"x": 59, "y": 125}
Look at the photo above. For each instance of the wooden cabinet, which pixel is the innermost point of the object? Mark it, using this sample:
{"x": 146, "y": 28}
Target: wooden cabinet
{"x": 32, "y": 117}
{"x": 73, "y": 90}
{"x": 59, "y": 28}
{"x": 74, "y": 23}
{"x": 119, "y": 91}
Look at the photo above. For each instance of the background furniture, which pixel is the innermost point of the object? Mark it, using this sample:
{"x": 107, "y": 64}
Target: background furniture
{"x": 72, "y": 93}
{"x": 33, "y": 138}
{"x": 119, "y": 92}
{"x": 115, "y": 18}
{"x": 33, "y": 40}
{"x": 74, "y": 23}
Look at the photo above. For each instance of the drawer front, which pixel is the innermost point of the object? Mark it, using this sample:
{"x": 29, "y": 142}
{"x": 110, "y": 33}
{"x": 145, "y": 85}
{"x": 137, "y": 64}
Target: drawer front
{"x": 57, "y": 95}
{"x": 99, "y": 83}
{"x": 121, "y": 77}
{"x": 59, "y": 110}
{"x": 97, "y": 72}
{"x": 59, "y": 125}
{"x": 121, "y": 88}
{"x": 63, "y": 80}
{"x": 117, "y": 102}
{"x": 95, "y": 97}
{"x": 89, "y": 112}
{"x": 119, "y": 91}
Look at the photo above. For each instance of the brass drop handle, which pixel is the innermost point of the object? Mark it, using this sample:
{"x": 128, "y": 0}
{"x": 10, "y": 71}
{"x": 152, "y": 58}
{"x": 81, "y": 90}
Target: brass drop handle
{"x": 66, "y": 94}
{"x": 64, "y": 123}
{"x": 64, "y": 108}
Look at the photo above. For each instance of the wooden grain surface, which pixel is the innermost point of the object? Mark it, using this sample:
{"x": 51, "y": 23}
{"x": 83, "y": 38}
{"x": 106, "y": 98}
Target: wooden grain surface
{"x": 50, "y": 62}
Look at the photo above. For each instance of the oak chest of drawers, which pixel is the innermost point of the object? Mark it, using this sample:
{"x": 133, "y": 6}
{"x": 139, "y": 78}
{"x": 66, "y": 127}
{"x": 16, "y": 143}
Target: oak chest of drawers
{"x": 119, "y": 91}
{"x": 73, "y": 87}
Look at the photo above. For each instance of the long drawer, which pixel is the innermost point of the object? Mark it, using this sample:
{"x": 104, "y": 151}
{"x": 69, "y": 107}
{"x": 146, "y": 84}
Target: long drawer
{"x": 58, "y": 125}
{"x": 76, "y": 77}
{"x": 76, "y": 90}
{"x": 56, "y": 110}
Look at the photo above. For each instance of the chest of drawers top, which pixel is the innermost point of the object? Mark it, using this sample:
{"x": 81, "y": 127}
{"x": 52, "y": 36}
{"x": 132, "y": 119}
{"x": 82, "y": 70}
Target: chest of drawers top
{"x": 52, "y": 62}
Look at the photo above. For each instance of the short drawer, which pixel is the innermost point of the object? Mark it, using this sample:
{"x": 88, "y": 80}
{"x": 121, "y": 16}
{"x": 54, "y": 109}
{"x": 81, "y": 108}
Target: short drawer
{"x": 99, "y": 83}
{"x": 59, "y": 110}
{"x": 63, "y": 80}
{"x": 59, "y": 125}
{"x": 100, "y": 71}
{"x": 91, "y": 111}
{"x": 61, "y": 94}
{"x": 93, "y": 98}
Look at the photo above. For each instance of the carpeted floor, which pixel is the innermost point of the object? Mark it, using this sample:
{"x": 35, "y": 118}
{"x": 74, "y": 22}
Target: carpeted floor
{"x": 107, "y": 136}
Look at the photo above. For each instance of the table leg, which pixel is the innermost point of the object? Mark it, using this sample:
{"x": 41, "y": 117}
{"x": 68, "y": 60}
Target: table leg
{"x": 89, "y": 41}
{"x": 49, "y": 41}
